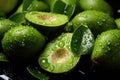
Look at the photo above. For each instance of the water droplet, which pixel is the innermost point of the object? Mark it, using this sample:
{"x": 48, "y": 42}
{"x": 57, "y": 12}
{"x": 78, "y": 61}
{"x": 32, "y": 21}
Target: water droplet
{"x": 61, "y": 44}
{"x": 54, "y": 48}
{"x": 100, "y": 23}
{"x": 44, "y": 62}
{"x": 103, "y": 20}
{"x": 108, "y": 42}
{"x": 23, "y": 44}
{"x": 51, "y": 68}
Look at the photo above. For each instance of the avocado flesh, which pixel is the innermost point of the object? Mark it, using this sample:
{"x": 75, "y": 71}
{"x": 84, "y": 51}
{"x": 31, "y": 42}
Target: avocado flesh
{"x": 46, "y": 22}
{"x": 46, "y": 19}
{"x": 57, "y": 57}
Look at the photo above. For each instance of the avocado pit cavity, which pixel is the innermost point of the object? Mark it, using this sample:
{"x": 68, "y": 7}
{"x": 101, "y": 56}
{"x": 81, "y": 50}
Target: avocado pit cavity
{"x": 60, "y": 56}
{"x": 45, "y": 17}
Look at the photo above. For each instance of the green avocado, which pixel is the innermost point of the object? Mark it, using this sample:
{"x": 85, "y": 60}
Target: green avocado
{"x": 46, "y": 22}
{"x": 22, "y": 43}
{"x": 97, "y": 21}
{"x": 6, "y": 6}
{"x": 5, "y": 25}
{"x": 99, "y": 5}
{"x": 57, "y": 57}
{"x": 106, "y": 51}
{"x": 117, "y": 20}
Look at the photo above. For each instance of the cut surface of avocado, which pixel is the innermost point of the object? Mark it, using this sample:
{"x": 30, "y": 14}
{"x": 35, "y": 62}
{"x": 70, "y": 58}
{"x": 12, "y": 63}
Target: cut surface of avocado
{"x": 57, "y": 56}
{"x": 46, "y": 18}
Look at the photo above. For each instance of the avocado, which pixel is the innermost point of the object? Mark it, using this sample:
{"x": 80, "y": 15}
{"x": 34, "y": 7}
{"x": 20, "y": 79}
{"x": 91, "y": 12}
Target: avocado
{"x": 57, "y": 56}
{"x": 66, "y": 7}
{"x": 35, "y": 5}
{"x": 97, "y": 21}
{"x": 18, "y": 18}
{"x": 117, "y": 20}
{"x": 100, "y": 5}
{"x": 5, "y": 25}
{"x": 22, "y": 43}
{"x": 82, "y": 41}
{"x": 106, "y": 51}
{"x": 46, "y": 22}
{"x": 6, "y": 6}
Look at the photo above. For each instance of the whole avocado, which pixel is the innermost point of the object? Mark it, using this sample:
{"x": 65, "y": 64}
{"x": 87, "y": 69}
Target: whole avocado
{"x": 22, "y": 43}
{"x": 106, "y": 52}
{"x": 97, "y": 21}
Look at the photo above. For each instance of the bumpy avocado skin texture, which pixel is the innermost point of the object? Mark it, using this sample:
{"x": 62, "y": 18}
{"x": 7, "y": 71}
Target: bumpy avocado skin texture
{"x": 57, "y": 57}
{"x": 97, "y": 21}
{"x": 5, "y": 25}
{"x": 22, "y": 42}
{"x": 118, "y": 22}
{"x": 106, "y": 50}
{"x": 99, "y": 5}
{"x": 6, "y": 6}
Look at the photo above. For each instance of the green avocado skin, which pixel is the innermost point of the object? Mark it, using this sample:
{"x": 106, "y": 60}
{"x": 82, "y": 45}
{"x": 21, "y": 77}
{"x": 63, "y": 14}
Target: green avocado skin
{"x": 22, "y": 42}
{"x": 5, "y": 25}
{"x": 97, "y": 21}
{"x": 99, "y": 5}
{"x": 106, "y": 50}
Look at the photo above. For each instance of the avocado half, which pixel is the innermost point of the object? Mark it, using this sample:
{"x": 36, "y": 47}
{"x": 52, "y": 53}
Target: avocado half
{"x": 46, "y": 22}
{"x": 57, "y": 57}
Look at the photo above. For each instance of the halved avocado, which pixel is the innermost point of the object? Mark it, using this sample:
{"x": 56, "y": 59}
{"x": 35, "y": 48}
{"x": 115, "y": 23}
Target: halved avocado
{"x": 46, "y": 22}
{"x": 35, "y": 5}
{"x": 19, "y": 18}
{"x": 82, "y": 41}
{"x": 57, "y": 57}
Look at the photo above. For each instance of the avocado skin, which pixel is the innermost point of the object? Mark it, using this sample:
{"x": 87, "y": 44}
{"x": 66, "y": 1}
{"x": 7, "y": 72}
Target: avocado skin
{"x": 99, "y": 5}
{"x": 106, "y": 52}
{"x": 5, "y": 25}
{"x": 22, "y": 43}
{"x": 97, "y": 21}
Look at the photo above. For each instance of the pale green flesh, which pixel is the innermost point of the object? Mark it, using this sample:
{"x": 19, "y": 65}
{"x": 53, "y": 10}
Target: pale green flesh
{"x": 62, "y": 64}
{"x": 46, "y": 19}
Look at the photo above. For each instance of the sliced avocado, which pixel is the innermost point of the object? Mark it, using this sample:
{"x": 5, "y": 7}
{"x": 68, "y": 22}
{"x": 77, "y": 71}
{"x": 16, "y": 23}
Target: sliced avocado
{"x": 100, "y": 5}
{"x": 36, "y": 73}
{"x": 22, "y": 43}
{"x": 97, "y": 21}
{"x": 66, "y": 7}
{"x": 106, "y": 51}
{"x": 46, "y": 22}
{"x": 35, "y": 5}
{"x": 82, "y": 41}
{"x": 57, "y": 56}
{"x": 18, "y": 18}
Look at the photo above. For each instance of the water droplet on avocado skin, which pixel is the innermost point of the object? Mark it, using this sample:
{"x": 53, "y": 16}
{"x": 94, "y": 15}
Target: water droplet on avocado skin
{"x": 44, "y": 62}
